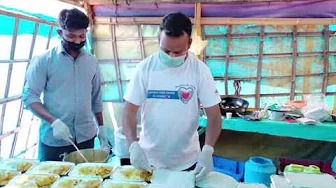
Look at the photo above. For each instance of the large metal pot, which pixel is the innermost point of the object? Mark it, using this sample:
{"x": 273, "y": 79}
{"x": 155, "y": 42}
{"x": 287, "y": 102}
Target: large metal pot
{"x": 92, "y": 155}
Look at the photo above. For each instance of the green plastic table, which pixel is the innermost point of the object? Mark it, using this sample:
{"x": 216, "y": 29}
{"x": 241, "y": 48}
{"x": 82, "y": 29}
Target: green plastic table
{"x": 322, "y": 132}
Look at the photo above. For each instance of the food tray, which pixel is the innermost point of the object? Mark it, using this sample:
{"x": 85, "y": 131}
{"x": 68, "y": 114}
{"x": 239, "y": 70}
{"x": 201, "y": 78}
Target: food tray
{"x": 7, "y": 175}
{"x": 78, "y": 182}
{"x": 56, "y": 167}
{"x": 122, "y": 184}
{"x": 129, "y": 173}
{"x": 20, "y": 165}
{"x": 33, "y": 181}
{"x": 102, "y": 170}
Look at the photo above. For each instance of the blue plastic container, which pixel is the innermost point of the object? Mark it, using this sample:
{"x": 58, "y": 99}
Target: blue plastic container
{"x": 229, "y": 167}
{"x": 258, "y": 170}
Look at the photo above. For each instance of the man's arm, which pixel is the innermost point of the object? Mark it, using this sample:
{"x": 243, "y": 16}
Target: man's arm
{"x": 129, "y": 121}
{"x": 36, "y": 79}
{"x": 99, "y": 117}
{"x": 39, "y": 110}
{"x": 213, "y": 128}
{"x": 96, "y": 101}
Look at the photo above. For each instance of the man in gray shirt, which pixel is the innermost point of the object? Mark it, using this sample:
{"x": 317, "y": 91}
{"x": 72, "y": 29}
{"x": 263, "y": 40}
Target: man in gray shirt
{"x": 70, "y": 81}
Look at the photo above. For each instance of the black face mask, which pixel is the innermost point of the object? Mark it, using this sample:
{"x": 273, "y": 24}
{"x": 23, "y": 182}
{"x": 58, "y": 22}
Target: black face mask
{"x": 72, "y": 46}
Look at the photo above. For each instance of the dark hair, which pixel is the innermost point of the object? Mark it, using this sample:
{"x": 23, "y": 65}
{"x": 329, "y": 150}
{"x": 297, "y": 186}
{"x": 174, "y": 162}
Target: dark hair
{"x": 73, "y": 19}
{"x": 174, "y": 24}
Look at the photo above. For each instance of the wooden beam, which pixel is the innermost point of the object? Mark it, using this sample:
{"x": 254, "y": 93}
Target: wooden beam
{"x": 300, "y": 54}
{"x": 12, "y": 14}
{"x": 120, "y": 2}
{"x": 89, "y": 12}
{"x": 221, "y": 21}
{"x": 10, "y": 99}
{"x": 267, "y": 21}
{"x": 275, "y": 34}
{"x": 79, "y": 3}
{"x": 198, "y": 13}
{"x": 128, "y": 20}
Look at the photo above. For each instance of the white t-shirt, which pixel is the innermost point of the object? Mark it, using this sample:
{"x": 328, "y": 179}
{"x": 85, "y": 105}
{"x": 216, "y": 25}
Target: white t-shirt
{"x": 169, "y": 98}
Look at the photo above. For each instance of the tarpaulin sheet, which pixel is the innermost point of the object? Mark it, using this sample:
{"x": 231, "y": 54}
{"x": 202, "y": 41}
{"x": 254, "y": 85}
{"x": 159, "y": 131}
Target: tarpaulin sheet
{"x": 293, "y": 9}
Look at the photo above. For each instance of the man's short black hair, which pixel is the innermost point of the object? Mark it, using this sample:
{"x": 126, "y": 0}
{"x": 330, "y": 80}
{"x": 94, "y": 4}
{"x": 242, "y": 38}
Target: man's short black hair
{"x": 174, "y": 24}
{"x": 73, "y": 19}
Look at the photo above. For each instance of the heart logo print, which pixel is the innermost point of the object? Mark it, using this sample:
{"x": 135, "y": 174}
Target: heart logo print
{"x": 185, "y": 94}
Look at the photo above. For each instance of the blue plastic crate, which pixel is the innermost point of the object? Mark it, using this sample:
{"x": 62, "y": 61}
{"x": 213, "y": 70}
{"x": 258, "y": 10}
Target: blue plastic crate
{"x": 229, "y": 167}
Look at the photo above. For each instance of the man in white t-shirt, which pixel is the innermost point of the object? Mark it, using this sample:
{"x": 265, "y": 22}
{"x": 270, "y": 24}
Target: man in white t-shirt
{"x": 169, "y": 86}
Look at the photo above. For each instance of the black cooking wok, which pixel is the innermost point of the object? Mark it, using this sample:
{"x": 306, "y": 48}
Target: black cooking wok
{"x": 234, "y": 105}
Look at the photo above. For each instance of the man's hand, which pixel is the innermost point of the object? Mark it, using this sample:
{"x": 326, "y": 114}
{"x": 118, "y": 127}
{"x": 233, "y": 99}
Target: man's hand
{"x": 204, "y": 163}
{"x": 61, "y": 130}
{"x": 102, "y": 139}
{"x": 138, "y": 157}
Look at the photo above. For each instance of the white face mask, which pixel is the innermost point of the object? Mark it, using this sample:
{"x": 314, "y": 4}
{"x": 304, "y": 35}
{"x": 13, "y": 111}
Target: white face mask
{"x": 169, "y": 60}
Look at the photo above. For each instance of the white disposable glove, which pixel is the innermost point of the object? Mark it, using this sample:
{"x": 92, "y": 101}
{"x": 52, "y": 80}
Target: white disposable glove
{"x": 102, "y": 139}
{"x": 61, "y": 130}
{"x": 333, "y": 164}
{"x": 138, "y": 157}
{"x": 204, "y": 163}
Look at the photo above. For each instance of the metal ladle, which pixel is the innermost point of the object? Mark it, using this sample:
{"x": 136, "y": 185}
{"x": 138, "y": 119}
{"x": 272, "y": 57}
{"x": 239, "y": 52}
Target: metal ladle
{"x": 80, "y": 153}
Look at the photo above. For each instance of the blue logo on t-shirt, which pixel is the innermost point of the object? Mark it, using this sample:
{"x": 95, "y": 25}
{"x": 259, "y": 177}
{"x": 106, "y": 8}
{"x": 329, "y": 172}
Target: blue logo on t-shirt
{"x": 184, "y": 93}
{"x": 161, "y": 94}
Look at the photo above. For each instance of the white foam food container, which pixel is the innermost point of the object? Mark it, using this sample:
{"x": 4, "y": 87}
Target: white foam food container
{"x": 78, "y": 182}
{"x": 56, "y": 167}
{"x": 123, "y": 184}
{"x": 129, "y": 173}
{"x": 20, "y": 165}
{"x": 7, "y": 175}
{"x": 102, "y": 170}
{"x": 33, "y": 180}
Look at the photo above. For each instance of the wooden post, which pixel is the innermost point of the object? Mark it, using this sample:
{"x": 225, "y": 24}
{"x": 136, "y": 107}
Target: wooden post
{"x": 116, "y": 61}
{"x": 260, "y": 57}
{"x": 228, "y": 41}
{"x": 142, "y": 45}
{"x": 294, "y": 59}
{"x": 325, "y": 59}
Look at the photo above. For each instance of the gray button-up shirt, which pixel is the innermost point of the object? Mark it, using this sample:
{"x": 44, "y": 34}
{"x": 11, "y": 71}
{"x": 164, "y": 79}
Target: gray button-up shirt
{"x": 71, "y": 92}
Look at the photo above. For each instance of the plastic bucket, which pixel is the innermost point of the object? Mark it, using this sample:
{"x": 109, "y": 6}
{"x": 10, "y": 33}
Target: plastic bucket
{"x": 258, "y": 170}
